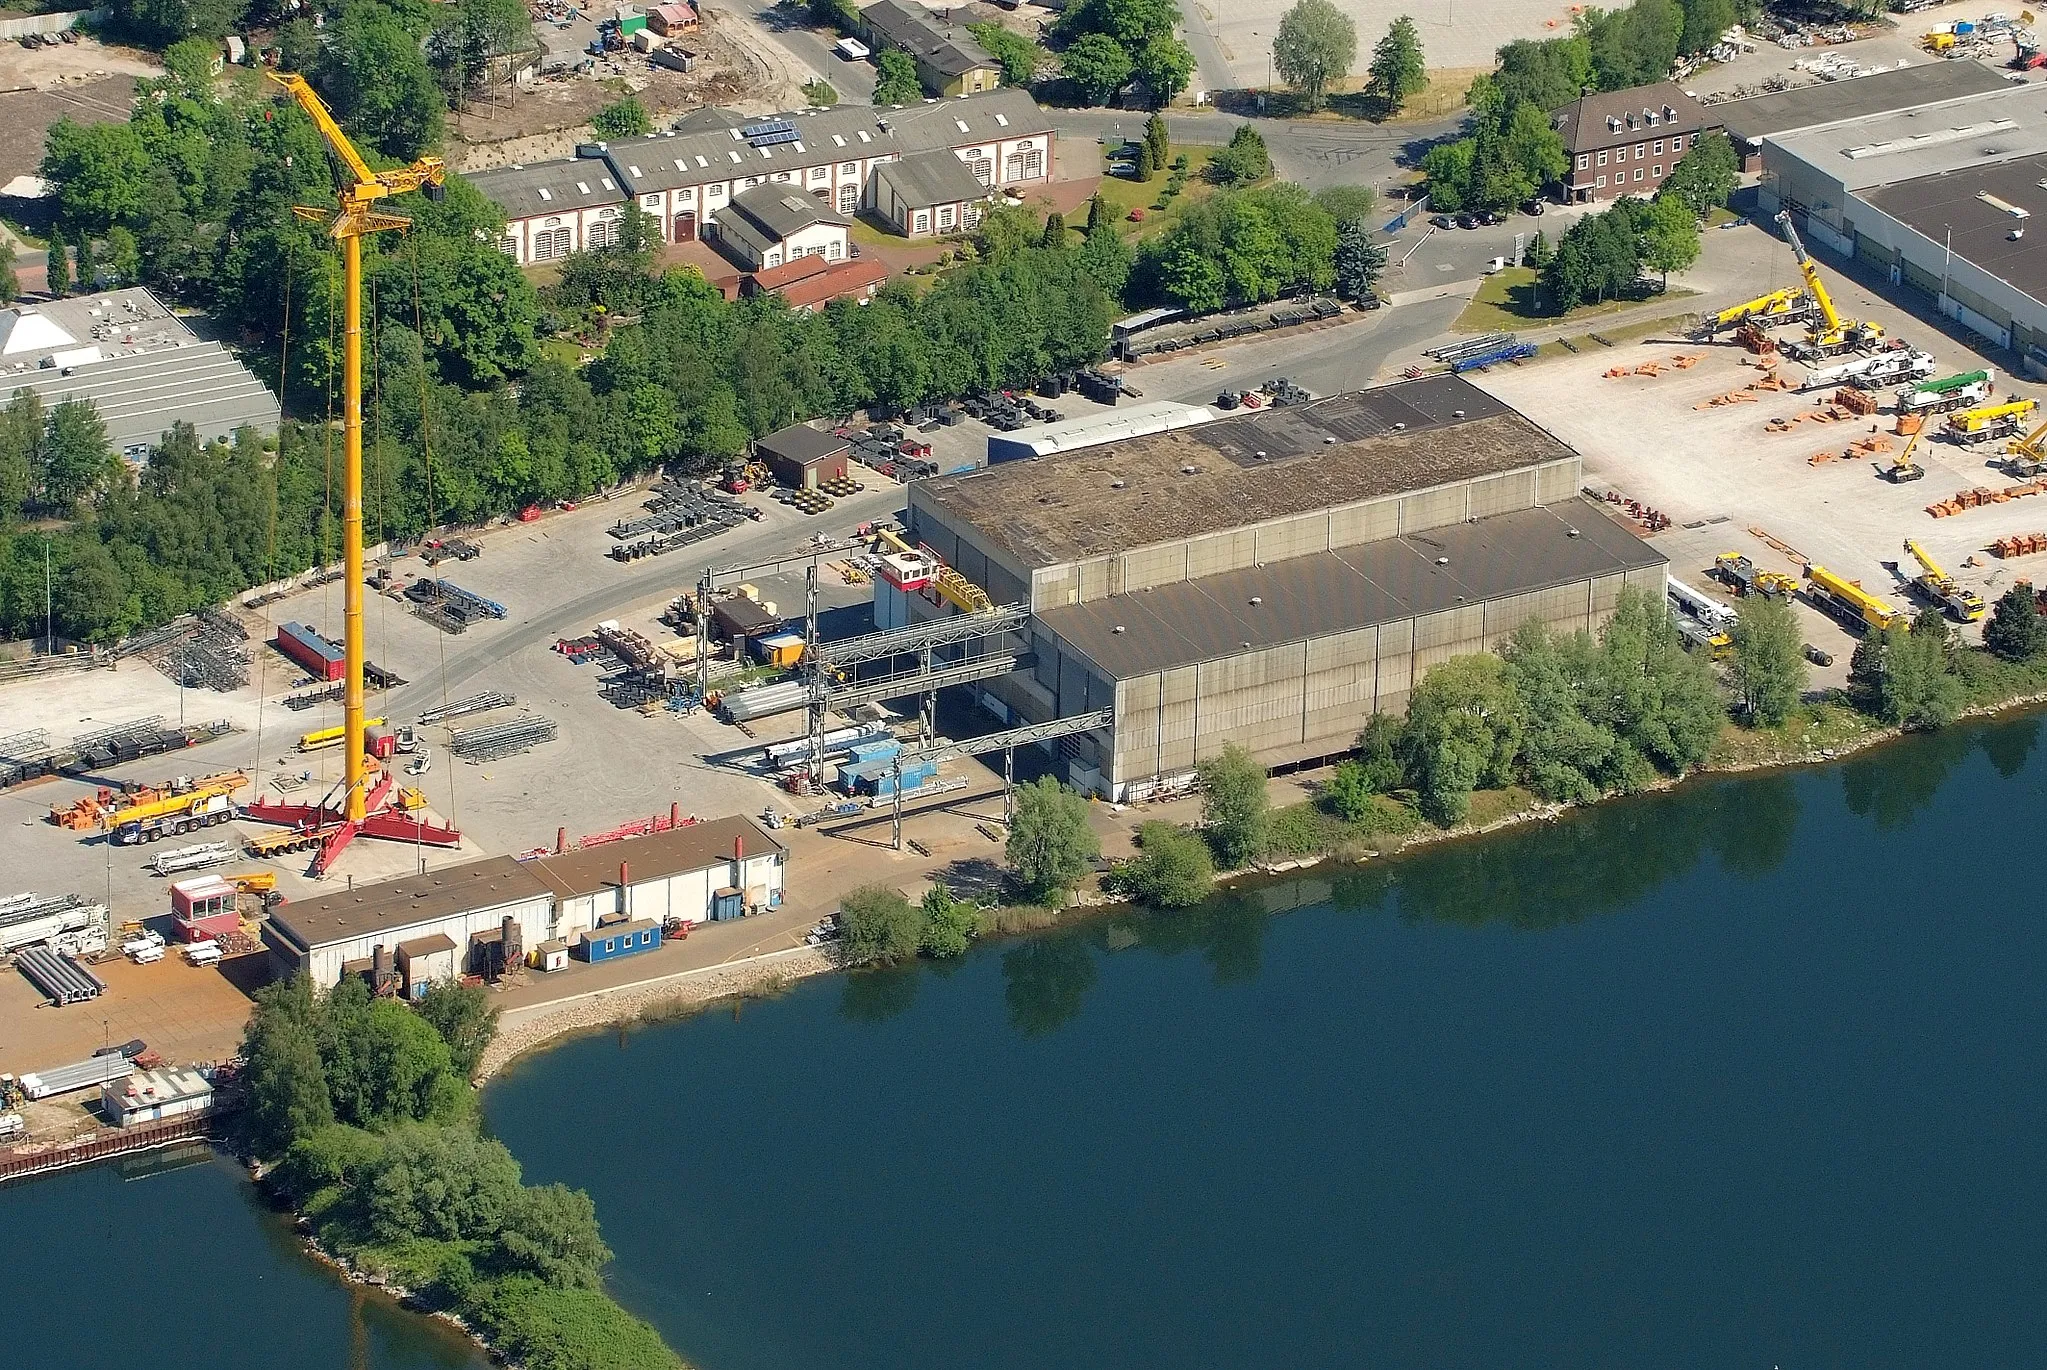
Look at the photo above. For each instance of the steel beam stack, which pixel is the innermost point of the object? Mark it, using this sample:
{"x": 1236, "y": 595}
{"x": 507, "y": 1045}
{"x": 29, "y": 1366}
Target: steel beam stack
{"x": 493, "y": 741}
{"x": 474, "y": 704}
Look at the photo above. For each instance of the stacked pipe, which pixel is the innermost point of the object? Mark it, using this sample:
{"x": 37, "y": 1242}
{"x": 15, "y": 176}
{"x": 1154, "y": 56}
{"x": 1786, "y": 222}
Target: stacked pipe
{"x": 493, "y": 741}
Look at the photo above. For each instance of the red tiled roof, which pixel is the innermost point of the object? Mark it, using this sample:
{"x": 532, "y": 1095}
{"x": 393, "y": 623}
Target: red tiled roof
{"x": 856, "y": 277}
{"x": 788, "y": 273}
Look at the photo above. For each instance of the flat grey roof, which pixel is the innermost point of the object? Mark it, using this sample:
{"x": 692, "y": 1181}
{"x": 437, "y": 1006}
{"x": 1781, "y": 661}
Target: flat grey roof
{"x": 1953, "y": 135}
{"x": 1935, "y": 204}
{"x": 801, "y": 443}
{"x": 394, "y": 905}
{"x": 1357, "y": 587}
{"x": 780, "y": 208}
{"x": 542, "y": 188}
{"x": 1855, "y": 98}
{"x": 1247, "y": 469}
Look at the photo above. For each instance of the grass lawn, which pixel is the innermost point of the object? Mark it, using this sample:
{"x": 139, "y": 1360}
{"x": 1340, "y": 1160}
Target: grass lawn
{"x": 1122, "y": 195}
{"x": 1506, "y": 301}
{"x": 569, "y": 354}
{"x": 1444, "y": 94}
{"x": 1719, "y": 216}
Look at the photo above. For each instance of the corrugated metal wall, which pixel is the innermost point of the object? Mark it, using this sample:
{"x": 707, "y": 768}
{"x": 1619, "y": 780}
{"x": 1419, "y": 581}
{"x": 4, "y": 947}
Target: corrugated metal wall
{"x": 1311, "y": 699}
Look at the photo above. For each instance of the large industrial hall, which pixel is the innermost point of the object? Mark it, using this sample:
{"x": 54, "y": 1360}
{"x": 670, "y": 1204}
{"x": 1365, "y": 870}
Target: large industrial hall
{"x": 1276, "y": 578}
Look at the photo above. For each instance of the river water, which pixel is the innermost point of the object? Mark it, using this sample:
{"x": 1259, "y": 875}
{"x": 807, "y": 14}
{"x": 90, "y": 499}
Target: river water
{"x": 1748, "y": 1074}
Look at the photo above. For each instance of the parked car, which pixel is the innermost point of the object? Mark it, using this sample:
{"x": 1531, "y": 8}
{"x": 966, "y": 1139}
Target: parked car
{"x": 1535, "y": 207}
{"x": 1443, "y": 221}
{"x": 1467, "y": 221}
{"x": 1486, "y": 216}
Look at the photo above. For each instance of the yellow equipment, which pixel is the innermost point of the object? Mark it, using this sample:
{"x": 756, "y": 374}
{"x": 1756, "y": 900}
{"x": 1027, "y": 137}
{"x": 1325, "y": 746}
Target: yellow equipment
{"x": 227, "y": 782}
{"x": 357, "y": 219}
{"x": 1902, "y": 467}
{"x": 2027, "y": 456}
{"x": 954, "y": 588}
{"x": 1829, "y": 334}
{"x": 1991, "y": 419}
{"x": 252, "y": 882}
{"x": 1937, "y": 585}
{"x": 1775, "y": 307}
{"x": 1850, "y": 600}
{"x": 1747, "y": 578}
{"x": 320, "y": 739}
{"x": 1937, "y": 41}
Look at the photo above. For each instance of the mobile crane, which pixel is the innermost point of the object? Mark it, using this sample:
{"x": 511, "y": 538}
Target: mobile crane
{"x": 1846, "y": 599}
{"x": 1933, "y": 581}
{"x": 2027, "y": 456}
{"x": 1902, "y": 467}
{"x": 1830, "y": 334}
{"x": 1989, "y": 421}
{"x": 1746, "y": 578}
{"x": 1788, "y": 305}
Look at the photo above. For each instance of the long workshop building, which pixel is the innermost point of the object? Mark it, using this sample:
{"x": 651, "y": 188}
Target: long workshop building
{"x": 478, "y": 917}
{"x": 1275, "y": 579}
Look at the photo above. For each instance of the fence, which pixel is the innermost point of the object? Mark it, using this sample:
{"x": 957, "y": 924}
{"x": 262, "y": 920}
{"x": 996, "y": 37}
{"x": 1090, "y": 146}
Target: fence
{"x": 105, "y": 1145}
{"x": 48, "y": 23}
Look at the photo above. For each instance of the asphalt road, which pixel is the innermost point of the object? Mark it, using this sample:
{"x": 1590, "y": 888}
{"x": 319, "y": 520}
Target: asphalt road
{"x": 854, "y": 81}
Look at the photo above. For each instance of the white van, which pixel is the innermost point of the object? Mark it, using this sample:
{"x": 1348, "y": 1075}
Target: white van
{"x": 852, "y": 49}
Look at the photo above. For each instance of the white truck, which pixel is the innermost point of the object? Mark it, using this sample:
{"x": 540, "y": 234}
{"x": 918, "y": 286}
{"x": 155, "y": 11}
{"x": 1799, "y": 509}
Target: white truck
{"x": 1884, "y": 368}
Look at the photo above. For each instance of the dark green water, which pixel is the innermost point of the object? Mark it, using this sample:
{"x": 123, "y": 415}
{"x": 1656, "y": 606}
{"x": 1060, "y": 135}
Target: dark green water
{"x": 1749, "y": 1075}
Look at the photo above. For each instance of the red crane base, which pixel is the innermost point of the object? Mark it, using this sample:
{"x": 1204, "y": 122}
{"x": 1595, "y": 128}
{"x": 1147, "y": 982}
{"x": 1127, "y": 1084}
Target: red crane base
{"x": 380, "y": 820}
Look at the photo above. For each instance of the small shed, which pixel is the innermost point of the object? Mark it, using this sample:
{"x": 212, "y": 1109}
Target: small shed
{"x": 779, "y": 649}
{"x": 672, "y": 19}
{"x": 321, "y": 658}
{"x": 204, "y": 908}
{"x": 551, "y": 955}
{"x": 630, "y": 21}
{"x": 153, "y": 1095}
{"x": 737, "y": 618}
{"x": 803, "y": 457}
{"x": 610, "y": 941}
{"x": 424, "y": 961}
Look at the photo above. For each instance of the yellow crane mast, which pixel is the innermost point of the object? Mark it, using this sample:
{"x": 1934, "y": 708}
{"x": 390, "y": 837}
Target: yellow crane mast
{"x": 2027, "y": 456}
{"x": 1848, "y": 599}
{"x": 1966, "y": 606}
{"x": 1775, "y": 307}
{"x": 361, "y": 805}
{"x": 1902, "y": 467}
{"x": 1830, "y": 333}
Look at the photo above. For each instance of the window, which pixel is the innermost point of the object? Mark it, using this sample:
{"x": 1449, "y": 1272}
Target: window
{"x": 819, "y": 173}
{"x": 1600, "y": 183}
{"x": 779, "y": 176}
{"x": 1602, "y": 159}
{"x": 686, "y": 196}
{"x": 509, "y": 245}
{"x": 849, "y": 199}
{"x": 1584, "y": 161}
{"x": 550, "y": 243}
{"x": 716, "y": 191}
{"x": 983, "y": 169}
{"x": 1638, "y": 173}
{"x": 920, "y": 222}
{"x": 751, "y": 182}
{"x": 1638, "y": 151}
{"x": 1659, "y": 147}
{"x": 1657, "y": 171}
{"x": 849, "y": 168}
{"x": 945, "y": 216}
{"x": 831, "y": 250}
{"x": 651, "y": 203}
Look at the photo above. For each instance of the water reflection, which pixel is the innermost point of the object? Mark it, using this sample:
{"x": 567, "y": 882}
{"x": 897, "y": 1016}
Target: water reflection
{"x": 2009, "y": 745}
{"x": 1888, "y": 786}
{"x": 875, "y": 996}
{"x": 1045, "y": 980}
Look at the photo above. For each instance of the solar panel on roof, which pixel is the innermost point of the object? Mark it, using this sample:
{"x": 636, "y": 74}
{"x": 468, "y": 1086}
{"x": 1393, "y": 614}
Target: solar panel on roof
{"x": 766, "y": 126}
{"x": 772, "y": 139}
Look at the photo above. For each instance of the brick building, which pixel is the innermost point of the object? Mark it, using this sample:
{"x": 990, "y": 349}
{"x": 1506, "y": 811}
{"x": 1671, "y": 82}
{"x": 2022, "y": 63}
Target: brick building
{"x": 1625, "y": 142}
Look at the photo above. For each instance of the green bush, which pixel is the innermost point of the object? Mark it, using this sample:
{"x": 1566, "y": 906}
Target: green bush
{"x": 949, "y": 924}
{"x": 566, "y": 1329}
{"x": 878, "y": 926}
{"x": 1172, "y": 868}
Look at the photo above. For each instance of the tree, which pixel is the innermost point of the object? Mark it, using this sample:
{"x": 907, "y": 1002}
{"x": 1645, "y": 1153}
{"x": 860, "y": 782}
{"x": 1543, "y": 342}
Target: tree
{"x": 1598, "y": 258}
{"x": 1397, "y": 70}
{"x": 1233, "y": 805}
{"x": 551, "y": 1231}
{"x": 466, "y": 1020}
{"x": 57, "y": 263}
{"x": 1099, "y": 215}
{"x": 101, "y": 172}
{"x": 1145, "y": 169}
{"x": 1344, "y": 203}
{"x": 835, "y": 14}
{"x": 1055, "y": 230}
{"x": 1657, "y": 698}
{"x": 1243, "y": 161}
{"x": 1015, "y": 54}
{"x": 407, "y": 1071}
{"x": 878, "y": 926}
{"x": 376, "y": 75}
{"x": 1164, "y": 65}
{"x": 1464, "y": 727}
{"x": 298, "y": 45}
{"x": 287, "y": 1088}
{"x": 1245, "y": 247}
{"x": 624, "y": 117}
{"x": 77, "y": 460}
{"x": 949, "y": 924}
{"x": 1376, "y": 769}
{"x": 896, "y": 80}
{"x": 1534, "y": 148}
{"x": 1050, "y": 843}
{"x": 1106, "y": 258}
{"x": 1315, "y": 47}
{"x": 1447, "y": 167}
{"x": 1540, "y": 254}
{"x": 1706, "y": 175}
{"x": 1358, "y": 261}
{"x": 1769, "y": 671}
{"x": 1904, "y": 675}
{"x": 2016, "y": 631}
{"x": 88, "y": 265}
{"x": 1633, "y": 46}
{"x": 444, "y": 1183}
{"x": 1098, "y": 66}
{"x": 1704, "y": 22}
{"x": 1172, "y": 868}
{"x": 1158, "y": 140}
{"x": 1670, "y": 236}
{"x": 1546, "y": 73}
{"x": 124, "y": 256}
{"x": 1130, "y": 22}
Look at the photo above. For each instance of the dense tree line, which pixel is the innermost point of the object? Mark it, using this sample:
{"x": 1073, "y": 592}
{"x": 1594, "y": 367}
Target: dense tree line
{"x": 1108, "y": 44}
{"x": 1603, "y": 255}
{"x": 362, "y": 1107}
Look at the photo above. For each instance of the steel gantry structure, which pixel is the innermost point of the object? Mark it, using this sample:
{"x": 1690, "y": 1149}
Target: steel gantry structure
{"x": 1005, "y": 742}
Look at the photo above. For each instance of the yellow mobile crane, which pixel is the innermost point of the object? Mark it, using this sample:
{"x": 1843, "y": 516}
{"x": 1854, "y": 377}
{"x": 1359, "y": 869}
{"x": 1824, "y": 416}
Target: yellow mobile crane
{"x": 1779, "y": 306}
{"x": 1902, "y": 467}
{"x": 1990, "y": 420}
{"x": 2027, "y": 456}
{"x": 1847, "y": 599}
{"x": 363, "y": 804}
{"x": 1828, "y": 335}
{"x": 1966, "y": 606}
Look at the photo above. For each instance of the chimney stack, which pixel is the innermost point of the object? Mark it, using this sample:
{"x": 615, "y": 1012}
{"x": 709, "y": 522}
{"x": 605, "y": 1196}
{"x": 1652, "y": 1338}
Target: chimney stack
{"x": 561, "y": 840}
{"x": 675, "y": 814}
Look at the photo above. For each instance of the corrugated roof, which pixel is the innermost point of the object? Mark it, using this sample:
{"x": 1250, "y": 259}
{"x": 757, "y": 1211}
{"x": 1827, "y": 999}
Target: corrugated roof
{"x": 140, "y": 396}
{"x": 999, "y": 114}
{"x": 699, "y": 846}
{"x": 800, "y": 443}
{"x": 938, "y": 45}
{"x": 1355, "y": 587}
{"x": 780, "y": 210}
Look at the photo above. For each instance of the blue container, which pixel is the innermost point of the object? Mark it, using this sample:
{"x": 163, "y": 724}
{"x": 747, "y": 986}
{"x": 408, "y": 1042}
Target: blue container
{"x": 611, "y": 941}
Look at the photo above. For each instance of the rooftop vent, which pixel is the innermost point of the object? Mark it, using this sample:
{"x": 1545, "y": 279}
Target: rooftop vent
{"x": 1117, "y": 629}
{"x": 1442, "y": 561}
{"x": 1257, "y": 599}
